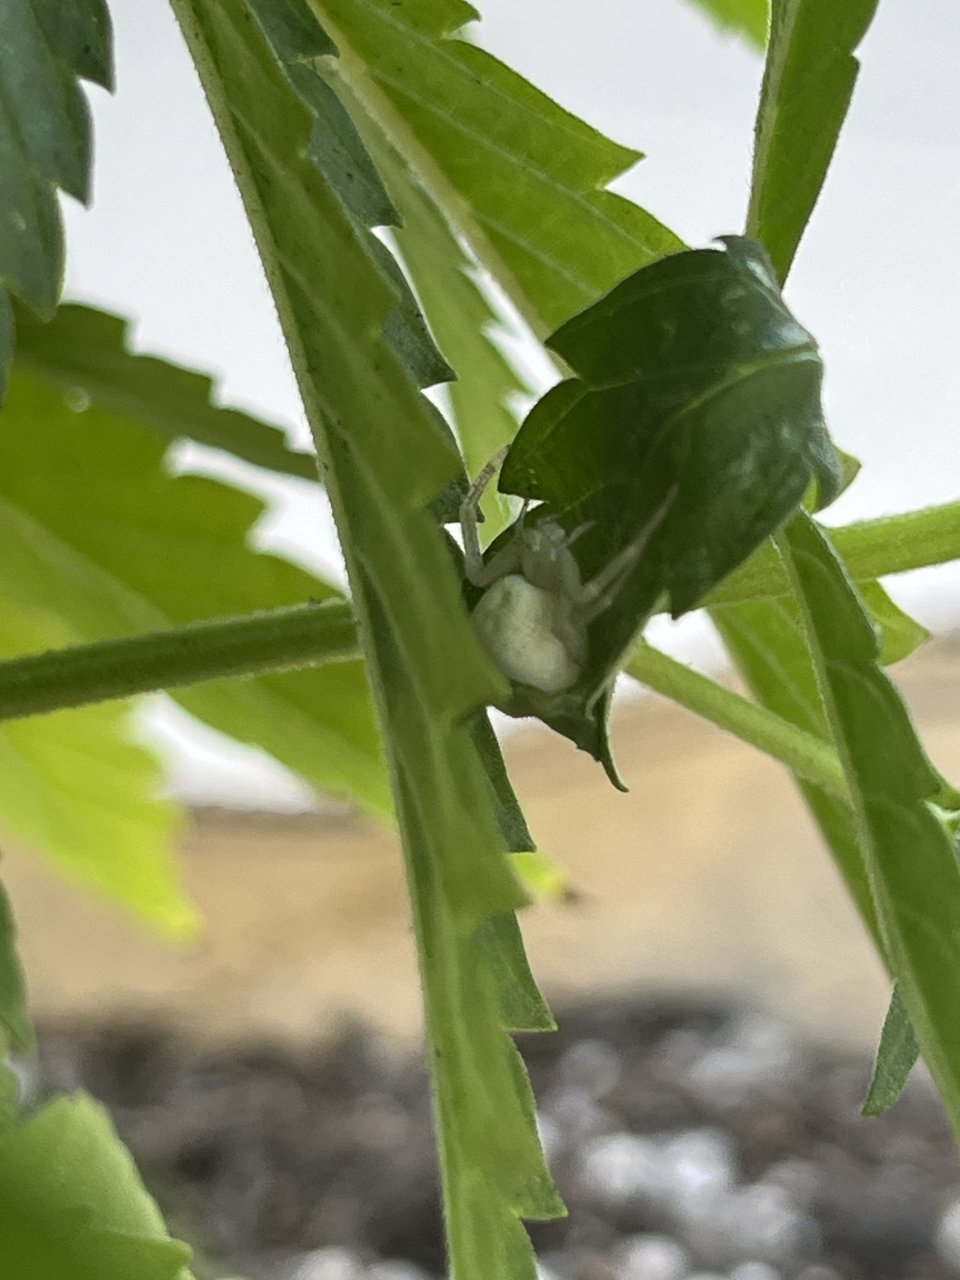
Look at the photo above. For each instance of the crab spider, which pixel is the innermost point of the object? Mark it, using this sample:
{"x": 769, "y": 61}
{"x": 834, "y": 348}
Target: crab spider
{"x": 535, "y": 611}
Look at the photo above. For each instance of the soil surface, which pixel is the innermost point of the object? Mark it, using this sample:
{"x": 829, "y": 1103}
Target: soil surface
{"x": 688, "y": 1141}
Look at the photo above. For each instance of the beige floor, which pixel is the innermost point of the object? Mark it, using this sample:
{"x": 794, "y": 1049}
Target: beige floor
{"x": 707, "y": 876}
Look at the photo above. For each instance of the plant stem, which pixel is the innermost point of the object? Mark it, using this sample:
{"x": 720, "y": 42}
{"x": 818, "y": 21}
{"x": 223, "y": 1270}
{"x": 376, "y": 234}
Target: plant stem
{"x": 869, "y": 548}
{"x": 300, "y": 636}
{"x": 808, "y": 755}
{"x": 311, "y": 634}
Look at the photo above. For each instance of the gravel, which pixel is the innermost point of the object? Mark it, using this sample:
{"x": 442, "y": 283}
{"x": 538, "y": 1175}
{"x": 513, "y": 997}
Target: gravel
{"x": 690, "y": 1142}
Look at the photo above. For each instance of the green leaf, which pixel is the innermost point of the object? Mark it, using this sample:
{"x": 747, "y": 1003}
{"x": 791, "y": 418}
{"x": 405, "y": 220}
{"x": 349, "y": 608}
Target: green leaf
{"x": 74, "y": 787}
{"x": 807, "y": 86}
{"x": 749, "y": 18}
{"x": 13, "y": 996}
{"x": 896, "y": 1055}
{"x": 84, "y": 352}
{"x": 768, "y": 643}
{"x": 96, "y": 530}
{"x": 697, "y": 398}
{"x": 72, "y": 1204}
{"x": 900, "y": 635}
{"x": 909, "y": 856}
{"x": 46, "y": 48}
{"x": 520, "y": 178}
{"x": 870, "y": 549}
{"x": 386, "y": 455}
{"x": 461, "y": 320}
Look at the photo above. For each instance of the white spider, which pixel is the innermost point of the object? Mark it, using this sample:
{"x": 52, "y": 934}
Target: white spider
{"x": 535, "y": 611}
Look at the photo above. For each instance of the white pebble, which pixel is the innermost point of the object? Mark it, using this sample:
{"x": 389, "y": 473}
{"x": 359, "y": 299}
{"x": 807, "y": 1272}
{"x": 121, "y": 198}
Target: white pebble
{"x": 619, "y": 1167}
{"x": 591, "y": 1067}
{"x": 652, "y": 1257}
{"x": 700, "y": 1162}
{"x": 328, "y": 1264}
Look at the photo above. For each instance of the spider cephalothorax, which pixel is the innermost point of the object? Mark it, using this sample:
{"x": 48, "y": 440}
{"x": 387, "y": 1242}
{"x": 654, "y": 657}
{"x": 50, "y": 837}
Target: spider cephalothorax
{"x": 535, "y": 611}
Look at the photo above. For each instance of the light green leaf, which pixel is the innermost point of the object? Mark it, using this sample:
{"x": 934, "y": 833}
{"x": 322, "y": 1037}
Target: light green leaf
{"x": 908, "y": 853}
{"x": 13, "y": 996}
{"x": 896, "y": 1055}
{"x": 461, "y": 319}
{"x": 749, "y": 18}
{"x": 74, "y": 787}
{"x": 870, "y": 549}
{"x": 767, "y": 642}
{"x": 518, "y": 177}
{"x": 807, "y": 85}
{"x": 385, "y": 457}
{"x": 97, "y": 531}
{"x": 84, "y": 352}
{"x": 72, "y": 1204}
{"x": 44, "y": 141}
{"x": 900, "y": 635}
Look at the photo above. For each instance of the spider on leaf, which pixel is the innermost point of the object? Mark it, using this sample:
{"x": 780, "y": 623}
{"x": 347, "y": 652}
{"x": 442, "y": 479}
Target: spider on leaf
{"x": 535, "y": 611}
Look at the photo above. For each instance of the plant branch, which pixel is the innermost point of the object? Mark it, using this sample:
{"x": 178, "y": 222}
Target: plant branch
{"x": 808, "y": 755}
{"x": 311, "y": 634}
{"x": 281, "y": 640}
{"x": 869, "y": 548}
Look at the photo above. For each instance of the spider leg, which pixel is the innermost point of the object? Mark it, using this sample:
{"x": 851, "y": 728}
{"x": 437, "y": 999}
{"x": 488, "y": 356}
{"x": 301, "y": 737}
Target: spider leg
{"x": 598, "y": 594}
{"x": 476, "y": 571}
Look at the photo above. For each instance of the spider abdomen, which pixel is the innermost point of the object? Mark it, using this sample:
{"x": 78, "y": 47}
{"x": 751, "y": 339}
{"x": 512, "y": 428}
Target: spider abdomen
{"x": 531, "y": 634}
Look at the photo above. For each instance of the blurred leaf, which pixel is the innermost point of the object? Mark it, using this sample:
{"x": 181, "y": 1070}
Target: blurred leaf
{"x": 748, "y": 18}
{"x": 386, "y": 456}
{"x": 85, "y": 353}
{"x": 13, "y": 996}
{"x": 73, "y": 786}
{"x": 697, "y": 388}
{"x": 46, "y": 47}
{"x": 95, "y": 530}
{"x": 900, "y": 635}
{"x": 72, "y": 1204}
{"x": 896, "y": 1055}
{"x": 541, "y": 875}
{"x": 908, "y": 854}
{"x": 807, "y": 86}
{"x": 520, "y": 178}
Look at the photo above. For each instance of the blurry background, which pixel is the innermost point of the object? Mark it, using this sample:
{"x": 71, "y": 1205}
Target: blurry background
{"x": 706, "y": 879}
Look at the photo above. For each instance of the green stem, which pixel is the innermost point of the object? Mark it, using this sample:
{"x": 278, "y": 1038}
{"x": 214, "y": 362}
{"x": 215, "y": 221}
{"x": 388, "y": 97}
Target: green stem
{"x": 301, "y": 636}
{"x": 805, "y": 753}
{"x": 869, "y": 548}
{"x": 309, "y": 635}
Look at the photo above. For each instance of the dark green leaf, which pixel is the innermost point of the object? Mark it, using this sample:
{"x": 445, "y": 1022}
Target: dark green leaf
{"x": 807, "y": 85}
{"x": 45, "y": 47}
{"x": 896, "y": 1055}
{"x": 13, "y": 996}
{"x": 697, "y": 396}
{"x": 85, "y": 353}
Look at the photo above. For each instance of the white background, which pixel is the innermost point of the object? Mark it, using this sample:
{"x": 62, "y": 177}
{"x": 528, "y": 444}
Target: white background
{"x": 877, "y": 278}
